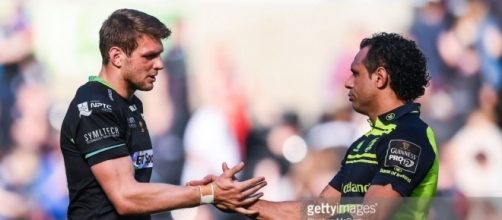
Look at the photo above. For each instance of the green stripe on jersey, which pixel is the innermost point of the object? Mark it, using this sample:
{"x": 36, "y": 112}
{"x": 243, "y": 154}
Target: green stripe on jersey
{"x": 100, "y": 80}
{"x": 354, "y": 156}
{"x": 362, "y": 161}
{"x": 102, "y": 150}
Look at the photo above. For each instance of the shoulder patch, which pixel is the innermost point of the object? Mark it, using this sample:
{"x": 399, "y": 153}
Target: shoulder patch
{"x": 142, "y": 159}
{"x": 403, "y": 155}
{"x": 83, "y": 109}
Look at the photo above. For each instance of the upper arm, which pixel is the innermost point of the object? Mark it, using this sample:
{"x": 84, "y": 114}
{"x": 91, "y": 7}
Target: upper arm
{"x": 384, "y": 198}
{"x": 100, "y": 135}
{"x": 115, "y": 176}
{"x": 331, "y": 194}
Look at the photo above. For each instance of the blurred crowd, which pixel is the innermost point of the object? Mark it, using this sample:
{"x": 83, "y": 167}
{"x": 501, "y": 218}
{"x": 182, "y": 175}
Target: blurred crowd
{"x": 462, "y": 40}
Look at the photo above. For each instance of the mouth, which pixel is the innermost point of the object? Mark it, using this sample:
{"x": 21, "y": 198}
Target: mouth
{"x": 151, "y": 78}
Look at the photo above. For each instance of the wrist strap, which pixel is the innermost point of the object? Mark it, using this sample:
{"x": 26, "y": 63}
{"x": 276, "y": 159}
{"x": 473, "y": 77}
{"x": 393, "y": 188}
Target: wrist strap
{"x": 205, "y": 196}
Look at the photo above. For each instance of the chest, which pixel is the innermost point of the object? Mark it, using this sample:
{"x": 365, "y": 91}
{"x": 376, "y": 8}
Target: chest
{"x": 361, "y": 164}
{"x": 138, "y": 138}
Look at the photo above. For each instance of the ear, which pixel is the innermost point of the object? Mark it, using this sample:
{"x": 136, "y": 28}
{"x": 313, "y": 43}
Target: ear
{"x": 381, "y": 77}
{"x": 116, "y": 56}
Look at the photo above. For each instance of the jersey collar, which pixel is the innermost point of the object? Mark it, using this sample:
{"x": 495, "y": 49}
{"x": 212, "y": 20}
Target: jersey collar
{"x": 393, "y": 115}
{"x": 384, "y": 122}
{"x": 100, "y": 80}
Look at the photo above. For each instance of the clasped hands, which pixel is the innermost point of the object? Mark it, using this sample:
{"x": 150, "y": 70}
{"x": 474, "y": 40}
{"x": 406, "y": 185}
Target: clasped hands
{"x": 231, "y": 195}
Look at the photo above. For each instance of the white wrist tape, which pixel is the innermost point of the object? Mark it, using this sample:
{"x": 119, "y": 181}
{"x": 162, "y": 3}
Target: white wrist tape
{"x": 209, "y": 198}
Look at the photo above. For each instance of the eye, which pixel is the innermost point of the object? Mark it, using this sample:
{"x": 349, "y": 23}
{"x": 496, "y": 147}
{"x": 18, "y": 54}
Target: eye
{"x": 150, "y": 56}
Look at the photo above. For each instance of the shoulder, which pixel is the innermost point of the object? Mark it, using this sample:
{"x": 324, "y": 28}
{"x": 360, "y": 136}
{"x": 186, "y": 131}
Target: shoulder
{"x": 411, "y": 123}
{"x": 94, "y": 97}
{"x": 409, "y": 144}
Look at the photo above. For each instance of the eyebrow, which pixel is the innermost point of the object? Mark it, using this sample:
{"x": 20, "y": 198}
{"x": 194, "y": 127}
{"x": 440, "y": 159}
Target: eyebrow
{"x": 152, "y": 53}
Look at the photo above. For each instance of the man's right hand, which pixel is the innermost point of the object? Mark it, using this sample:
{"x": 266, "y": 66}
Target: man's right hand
{"x": 232, "y": 195}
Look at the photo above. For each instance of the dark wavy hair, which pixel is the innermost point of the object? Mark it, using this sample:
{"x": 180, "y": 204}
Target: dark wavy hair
{"x": 402, "y": 60}
{"x": 124, "y": 26}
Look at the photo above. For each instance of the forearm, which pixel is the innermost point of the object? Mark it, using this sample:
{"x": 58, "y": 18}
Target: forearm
{"x": 140, "y": 198}
{"x": 277, "y": 210}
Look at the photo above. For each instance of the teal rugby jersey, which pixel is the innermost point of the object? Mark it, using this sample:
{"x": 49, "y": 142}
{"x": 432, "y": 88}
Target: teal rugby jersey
{"x": 400, "y": 149}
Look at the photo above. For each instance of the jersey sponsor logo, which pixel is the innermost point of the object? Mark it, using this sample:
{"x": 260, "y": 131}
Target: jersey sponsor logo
{"x": 133, "y": 108}
{"x": 143, "y": 159}
{"x": 99, "y": 105}
{"x": 84, "y": 110}
{"x": 100, "y": 134}
{"x": 110, "y": 94}
{"x": 396, "y": 173}
{"x": 403, "y": 155}
{"x": 390, "y": 116}
{"x": 354, "y": 187}
{"x": 131, "y": 122}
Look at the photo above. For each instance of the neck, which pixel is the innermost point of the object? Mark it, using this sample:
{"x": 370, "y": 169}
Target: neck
{"x": 385, "y": 104}
{"x": 113, "y": 77}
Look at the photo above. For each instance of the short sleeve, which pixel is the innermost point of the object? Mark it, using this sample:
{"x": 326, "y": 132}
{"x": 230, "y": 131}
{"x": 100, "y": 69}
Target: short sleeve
{"x": 337, "y": 180}
{"x": 99, "y": 136}
{"x": 404, "y": 160}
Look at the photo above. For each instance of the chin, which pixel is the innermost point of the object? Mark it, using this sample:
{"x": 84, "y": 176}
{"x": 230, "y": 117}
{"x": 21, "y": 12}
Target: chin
{"x": 145, "y": 87}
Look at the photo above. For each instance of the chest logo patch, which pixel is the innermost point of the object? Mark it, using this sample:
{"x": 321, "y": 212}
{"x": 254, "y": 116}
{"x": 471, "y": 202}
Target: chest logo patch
{"x": 131, "y": 122}
{"x": 390, "y": 116}
{"x": 143, "y": 159}
{"x": 403, "y": 155}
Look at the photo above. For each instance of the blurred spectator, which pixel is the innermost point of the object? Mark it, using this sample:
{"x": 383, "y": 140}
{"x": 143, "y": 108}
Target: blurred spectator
{"x": 16, "y": 55}
{"x": 287, "y": 126}
{"x": 210, "y": 136}
{"x": 175, "y": 66}
{"x": 267, "y": 155}
{"x": 488, "y": 43}
{"x": 216, "y": 131}
{"x": 27, "y": 164}
{"x": 447, "y": 106}
{"x": 430, "y": 20}
{"x": 475, "y": 152}
{"x": 311, "y": 174}
{"x": 174, "y": 116}
{"x": 169, "y": 114}
{"x": 334, "y": 130}
{"x": 22, "y": 168}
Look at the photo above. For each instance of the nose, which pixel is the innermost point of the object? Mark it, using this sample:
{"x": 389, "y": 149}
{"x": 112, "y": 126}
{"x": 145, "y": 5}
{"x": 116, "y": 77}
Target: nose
{"x": 158, "y": 65}
{"x": 349, "y": 83}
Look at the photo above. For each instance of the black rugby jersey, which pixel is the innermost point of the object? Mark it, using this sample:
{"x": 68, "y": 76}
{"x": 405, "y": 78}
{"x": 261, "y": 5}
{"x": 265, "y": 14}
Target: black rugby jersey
{"x": 400, "y": 150}
{"x": 101, "y": 125}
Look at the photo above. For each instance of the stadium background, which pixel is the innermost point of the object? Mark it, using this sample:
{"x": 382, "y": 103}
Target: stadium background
{"x": 254, "y": 81}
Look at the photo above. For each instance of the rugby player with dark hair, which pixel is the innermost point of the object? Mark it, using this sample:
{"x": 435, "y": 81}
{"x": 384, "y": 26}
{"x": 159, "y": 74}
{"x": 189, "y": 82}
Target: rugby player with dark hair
{"x": 105, "y": 141}
{"x": 397, "y": 158}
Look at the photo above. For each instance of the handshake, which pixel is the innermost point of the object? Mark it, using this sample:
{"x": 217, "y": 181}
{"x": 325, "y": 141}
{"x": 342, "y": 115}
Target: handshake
{"x": 227, "y": 193}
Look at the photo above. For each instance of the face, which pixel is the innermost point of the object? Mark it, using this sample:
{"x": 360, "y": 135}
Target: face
{"x": 142, "y": 66}
{"x": 360, "y": 85}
